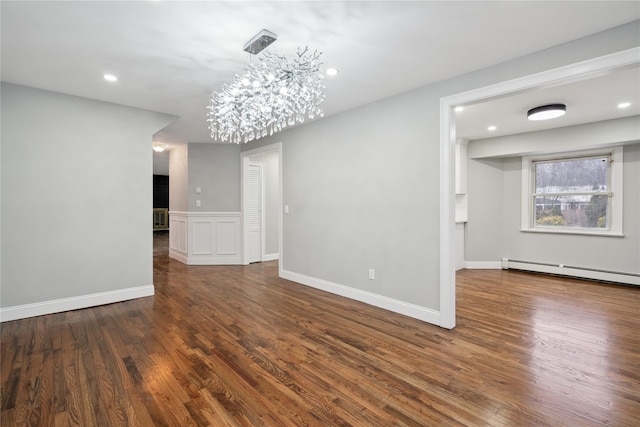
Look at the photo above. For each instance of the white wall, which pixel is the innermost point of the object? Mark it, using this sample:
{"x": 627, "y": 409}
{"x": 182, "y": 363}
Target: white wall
{"x": 76, "y": 200}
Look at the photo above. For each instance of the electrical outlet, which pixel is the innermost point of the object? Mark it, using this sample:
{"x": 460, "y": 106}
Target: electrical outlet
{"x": 372, "y": 274}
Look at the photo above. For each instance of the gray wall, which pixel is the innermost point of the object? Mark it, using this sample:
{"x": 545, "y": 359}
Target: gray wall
{"x": 363, "y": 194}
{"x": 363, "y": 186}
{"x": 215, "y": 168}
{"x": 161, "y": 163}
{"x": 485, "y": 210}
{"x": 580, "y": 137}
{"x": 494, "y": 187}
{"x": 76, "y": 196}
{"x": 179, "y": 178}
{"x": 608, "y": 253}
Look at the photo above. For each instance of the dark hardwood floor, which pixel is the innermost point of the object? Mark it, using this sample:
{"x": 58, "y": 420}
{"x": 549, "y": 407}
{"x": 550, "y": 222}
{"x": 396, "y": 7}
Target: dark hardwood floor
{"x": 237, "y": 346}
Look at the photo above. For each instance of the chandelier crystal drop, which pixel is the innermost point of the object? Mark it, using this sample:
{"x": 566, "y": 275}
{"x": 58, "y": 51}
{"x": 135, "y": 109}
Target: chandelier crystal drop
{"x": 272, "y": 94}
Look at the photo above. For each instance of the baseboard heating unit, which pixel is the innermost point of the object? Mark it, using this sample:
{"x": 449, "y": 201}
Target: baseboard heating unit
{"x": 572, "y": 271}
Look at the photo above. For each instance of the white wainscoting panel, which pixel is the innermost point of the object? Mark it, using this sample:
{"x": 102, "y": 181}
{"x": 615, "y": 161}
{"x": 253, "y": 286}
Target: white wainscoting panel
{"x": 210, "y": 238}
{"x": 178, "y": 236}
{"x": 202, "y": 236}
{"x": 227, "y": 237}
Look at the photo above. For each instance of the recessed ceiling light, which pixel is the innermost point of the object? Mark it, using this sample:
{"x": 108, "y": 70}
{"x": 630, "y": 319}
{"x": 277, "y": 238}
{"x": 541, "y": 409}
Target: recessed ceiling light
{"x": 458, "y": 108}
{"x": 332, "y": 71}
{"x": 492, "y": 128}
{"x": 547, "y": 112}
{"x": 624, "y": 105}
{"x": 110, "y": 77}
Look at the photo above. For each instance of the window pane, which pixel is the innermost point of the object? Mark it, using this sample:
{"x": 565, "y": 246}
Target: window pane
{"x": 572, "y": 175}
{"x": 583, "y": 211}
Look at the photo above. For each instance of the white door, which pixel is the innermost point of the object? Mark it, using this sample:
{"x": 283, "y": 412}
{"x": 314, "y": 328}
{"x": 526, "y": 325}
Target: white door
{"x": 254, "y": 211}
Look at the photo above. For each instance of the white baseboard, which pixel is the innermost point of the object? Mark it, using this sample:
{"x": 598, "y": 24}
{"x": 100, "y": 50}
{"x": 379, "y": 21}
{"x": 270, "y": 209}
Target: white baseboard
{"x": 411, "y": 310}
{"x": 271, "y": 257}
{"x": 73, "y": 303}
{"x": 212, "y": 260}
{"x": 179, "y": 256}
{"x": 483, "y": 265}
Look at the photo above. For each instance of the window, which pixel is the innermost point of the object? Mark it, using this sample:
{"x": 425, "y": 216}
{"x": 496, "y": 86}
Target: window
{"x": 573, "y": 193}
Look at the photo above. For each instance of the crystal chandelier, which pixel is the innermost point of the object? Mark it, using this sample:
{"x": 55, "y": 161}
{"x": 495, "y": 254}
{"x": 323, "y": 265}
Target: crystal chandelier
{"x": 272, "y": 94}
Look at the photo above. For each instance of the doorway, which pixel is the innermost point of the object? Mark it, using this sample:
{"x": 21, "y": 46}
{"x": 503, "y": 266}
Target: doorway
{"x": 577, "y": 71}
{"x": 255, "y": 211}
{"x": 261, "y": 204}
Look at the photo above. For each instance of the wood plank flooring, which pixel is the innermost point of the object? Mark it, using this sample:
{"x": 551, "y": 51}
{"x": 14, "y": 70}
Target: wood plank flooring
{"x": 237, "y": 346}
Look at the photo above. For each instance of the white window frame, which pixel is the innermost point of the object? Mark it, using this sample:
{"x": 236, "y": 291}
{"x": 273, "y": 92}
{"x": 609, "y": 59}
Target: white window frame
{"x": 615, "y": 211}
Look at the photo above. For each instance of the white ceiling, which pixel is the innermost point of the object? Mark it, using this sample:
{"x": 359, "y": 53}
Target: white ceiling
{"x": 587, "y": 101}
{"x": 169, "y": 55}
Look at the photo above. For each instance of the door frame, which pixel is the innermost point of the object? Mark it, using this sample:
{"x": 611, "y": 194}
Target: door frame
{"x": 245, "y": 158}
{"x": 260, "y": 166}
{"x": 569, "y": 73}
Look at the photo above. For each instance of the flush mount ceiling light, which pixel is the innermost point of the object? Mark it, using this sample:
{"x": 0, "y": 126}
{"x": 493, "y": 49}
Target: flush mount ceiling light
{"x": 547, "y": 112}
{"x": 268, "y": 96}
{"x": 110, "y": 77}
{"x": 159, "y": 147}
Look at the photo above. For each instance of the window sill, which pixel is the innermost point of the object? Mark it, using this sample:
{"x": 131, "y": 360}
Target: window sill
{"x": 573, "y": 232}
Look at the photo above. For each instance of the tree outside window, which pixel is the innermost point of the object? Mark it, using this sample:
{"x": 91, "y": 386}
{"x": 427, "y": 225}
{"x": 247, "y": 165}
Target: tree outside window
{"x": 572, "y": 192}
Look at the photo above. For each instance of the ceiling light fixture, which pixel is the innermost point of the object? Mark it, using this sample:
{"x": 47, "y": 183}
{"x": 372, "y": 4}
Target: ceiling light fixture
{"x": 491, "y": 128}
{"x": 458, "y": 109}
{"x": 332, "y": 71}
{"x": 259, "y": 42}
{"x": 159, "y": 147}
{"x": 547, "y": 112}
{"x": 275, "y": 93}
{"x": 624, "y": 105}
{"x": 110, "y": 77}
